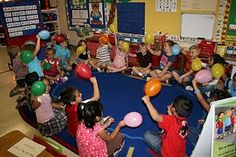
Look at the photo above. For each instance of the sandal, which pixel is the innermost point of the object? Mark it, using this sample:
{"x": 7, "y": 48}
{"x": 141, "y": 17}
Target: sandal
{"x": 16, "y": 91}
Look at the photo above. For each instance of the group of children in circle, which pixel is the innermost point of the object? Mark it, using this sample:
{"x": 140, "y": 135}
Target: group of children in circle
{"x": 80, "y": 116}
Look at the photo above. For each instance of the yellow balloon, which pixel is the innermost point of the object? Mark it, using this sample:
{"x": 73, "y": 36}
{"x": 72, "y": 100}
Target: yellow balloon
{"x": 80, "y": 50}
{"x": 149, "y": 38}
{"x": 112, "y": 28}
{"x": 125, "y": 46}
{"x": 196, "y": 64}
{"x": 217, "y": 70}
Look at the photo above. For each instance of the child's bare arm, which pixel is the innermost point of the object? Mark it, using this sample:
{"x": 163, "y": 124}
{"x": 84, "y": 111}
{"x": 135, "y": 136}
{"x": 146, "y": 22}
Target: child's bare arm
{"x": 37, "y": 47}
{"x": 35, "y": 103}
{"x": 153, "y": 112}
{"x": 200, "y": 97}
{"x": 165, "y": 69}
{"x": 187, "y": 74}
{"x": 96, "y": 93}
{"x": 109, "y": 137}
{"x": 59, "y": 105}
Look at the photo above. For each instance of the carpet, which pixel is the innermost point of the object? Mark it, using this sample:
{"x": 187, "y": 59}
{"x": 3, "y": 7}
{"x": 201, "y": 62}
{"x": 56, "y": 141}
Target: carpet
{"x": 120, "y": 95}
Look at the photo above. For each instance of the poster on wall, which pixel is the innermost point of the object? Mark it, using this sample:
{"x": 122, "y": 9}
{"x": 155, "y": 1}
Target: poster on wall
{"x": 77, "y": 13}
{"x": 97, "y": 14}
{"x": 20, "y": 18}
{"x": 231, "y": 28}
{"x": 224, "y": 130}
{"x": 166, "y": 5}
{"x": 218, "y": 135}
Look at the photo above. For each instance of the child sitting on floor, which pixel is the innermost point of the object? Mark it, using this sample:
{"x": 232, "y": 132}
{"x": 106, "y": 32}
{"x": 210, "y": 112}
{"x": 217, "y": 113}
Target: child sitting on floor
{"x": 63, "y": 53}
{"x": 19, "y": 70}
{"x": 103, "y": 57}
{"x": 171, "y": 142}
{"x": 185, "y": 76}
{"x": 164, "y": 71}
{"x": 91, "y": 137}
{"x": 145, "y": 61}
{"x": 53, "y": 73}
{"x": 71, "y": 97}
{"x": 120, "y": 62}
{"x": 50, "y": 116}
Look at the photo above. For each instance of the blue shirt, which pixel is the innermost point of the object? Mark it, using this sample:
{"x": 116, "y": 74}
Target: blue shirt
{"x": 35, "y": 66}
{"x": 64, "y": 54}
{"x": 230, "y": 86}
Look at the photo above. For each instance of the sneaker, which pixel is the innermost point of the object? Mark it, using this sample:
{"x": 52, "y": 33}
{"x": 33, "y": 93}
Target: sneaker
{"x": 189, "y": 88}
{"x": 16, "y": 91}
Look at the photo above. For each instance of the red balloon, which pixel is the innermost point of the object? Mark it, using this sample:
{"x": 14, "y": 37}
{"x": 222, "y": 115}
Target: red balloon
{"x": 83, "y": 71}
{"x": 59, "y": 38}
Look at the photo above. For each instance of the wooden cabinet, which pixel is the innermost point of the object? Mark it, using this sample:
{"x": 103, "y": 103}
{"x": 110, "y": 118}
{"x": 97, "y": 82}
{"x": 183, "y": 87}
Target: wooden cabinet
{"x": 2, "y": 40}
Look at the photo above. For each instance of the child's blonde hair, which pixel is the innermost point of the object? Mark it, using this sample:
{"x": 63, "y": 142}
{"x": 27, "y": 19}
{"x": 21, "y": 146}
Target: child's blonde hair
{"x": 13, "y": 51}
{"x": 194, "y": 47}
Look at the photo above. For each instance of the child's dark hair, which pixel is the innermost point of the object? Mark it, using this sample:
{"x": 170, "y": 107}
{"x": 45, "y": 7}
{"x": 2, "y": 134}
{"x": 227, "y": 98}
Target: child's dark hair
{"x": 218, "y": 94}
{"x": 234, "y": 76}
{"x": 183, "y": 105}
{"x": 88, "y": 112}
{"x": 12, "y": 51}
{"x": 28, "y": 46}
{"x": 170, "y": 42}
{"x": 80, "y": 43}
{"x": 67, "y": 95}
{"x": 218, "y": 59}
{"x": 30, "y": 78}
{"x": 51, "y": 49}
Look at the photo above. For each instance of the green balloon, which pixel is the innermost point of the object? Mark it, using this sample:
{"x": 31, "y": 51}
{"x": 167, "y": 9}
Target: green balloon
{"x": 38, "y": 88}
{"x": 47, "y": 66}
{"x": 26, "y": 56}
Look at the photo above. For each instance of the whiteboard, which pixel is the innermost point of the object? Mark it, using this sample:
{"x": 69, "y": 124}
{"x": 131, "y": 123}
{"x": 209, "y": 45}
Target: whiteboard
{"x": 197, "y": 25}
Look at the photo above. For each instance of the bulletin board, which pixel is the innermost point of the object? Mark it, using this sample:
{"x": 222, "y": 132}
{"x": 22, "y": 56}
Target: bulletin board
{"x": 20, "y": 20}
{"x": 131, "y": 18}
{"x": 197, "y": 25}
{"x": 231, "y": 28}
{"x": 84, "y": 12}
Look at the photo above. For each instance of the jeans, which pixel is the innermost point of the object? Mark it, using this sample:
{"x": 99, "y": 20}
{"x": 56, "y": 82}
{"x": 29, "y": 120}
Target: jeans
{"x": 193, "y": 134}
{"x": 153, "y": 139}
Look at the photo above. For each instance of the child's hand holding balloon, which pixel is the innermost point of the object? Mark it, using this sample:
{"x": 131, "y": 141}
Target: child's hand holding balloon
{"x": 121, "y": 124}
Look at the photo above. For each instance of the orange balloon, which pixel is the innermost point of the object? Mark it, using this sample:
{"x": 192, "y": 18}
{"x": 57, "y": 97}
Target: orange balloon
{"x": 103, "y": 39}
{"x": 152, "y": 87}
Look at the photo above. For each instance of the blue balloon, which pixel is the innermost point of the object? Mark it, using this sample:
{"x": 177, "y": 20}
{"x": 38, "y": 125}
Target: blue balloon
{"x": 175, "y": 49}
{"x": 44, "y": 34}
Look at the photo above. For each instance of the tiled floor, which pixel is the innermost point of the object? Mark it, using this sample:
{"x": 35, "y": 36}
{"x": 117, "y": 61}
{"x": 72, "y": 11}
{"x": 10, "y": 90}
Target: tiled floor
{"x": 9, "y": 116}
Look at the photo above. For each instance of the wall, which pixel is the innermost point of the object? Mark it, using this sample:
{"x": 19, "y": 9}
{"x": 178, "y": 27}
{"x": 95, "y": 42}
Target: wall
{"x": 154, "y": 21}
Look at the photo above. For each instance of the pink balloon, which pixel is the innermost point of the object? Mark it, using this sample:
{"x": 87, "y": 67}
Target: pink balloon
{"x": 203, "y": 76}
{"x": 83, "y": 70}
{"x": 133, "y": 119}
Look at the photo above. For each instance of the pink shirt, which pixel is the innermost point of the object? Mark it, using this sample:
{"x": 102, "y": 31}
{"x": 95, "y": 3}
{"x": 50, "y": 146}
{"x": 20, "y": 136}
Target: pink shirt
{"x": 44, "y": 113}
{"x": 120, "y": 60}
{"x": 89, "y": 143}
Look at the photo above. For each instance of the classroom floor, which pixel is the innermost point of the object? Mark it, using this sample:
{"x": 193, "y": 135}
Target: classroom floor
{"x": 9, "y": 117}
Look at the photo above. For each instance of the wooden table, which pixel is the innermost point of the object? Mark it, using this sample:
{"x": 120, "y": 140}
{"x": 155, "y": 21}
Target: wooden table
{"x": 12, "y": 138}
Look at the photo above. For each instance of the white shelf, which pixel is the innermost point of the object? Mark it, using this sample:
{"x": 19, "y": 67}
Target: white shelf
{"x": 55, "y": 21}
{"x": 49, "y": 10}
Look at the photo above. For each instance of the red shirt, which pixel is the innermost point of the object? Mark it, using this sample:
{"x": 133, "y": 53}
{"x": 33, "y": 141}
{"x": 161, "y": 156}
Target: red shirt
{"x": 188, "y": 62}
{"x": 173, "y": 144}
{"x": 72, "y": 119}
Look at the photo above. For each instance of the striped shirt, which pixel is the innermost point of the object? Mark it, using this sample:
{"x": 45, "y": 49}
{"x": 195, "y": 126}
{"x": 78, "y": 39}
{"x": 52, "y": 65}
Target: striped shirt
{"x": 103, "y": 54}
